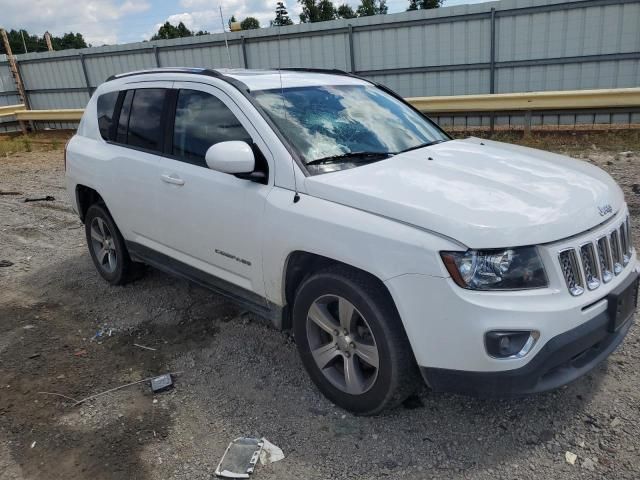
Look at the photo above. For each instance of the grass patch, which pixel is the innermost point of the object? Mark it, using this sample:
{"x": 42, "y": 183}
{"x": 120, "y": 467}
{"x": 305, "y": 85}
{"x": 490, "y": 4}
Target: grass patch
{"x": 33, "y": 142}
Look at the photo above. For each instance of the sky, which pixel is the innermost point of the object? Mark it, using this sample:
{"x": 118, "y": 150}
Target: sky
{"x": 124, "y": 21}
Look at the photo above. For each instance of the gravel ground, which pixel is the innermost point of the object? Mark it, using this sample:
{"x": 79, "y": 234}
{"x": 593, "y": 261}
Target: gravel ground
{"x": 239, "y": 377}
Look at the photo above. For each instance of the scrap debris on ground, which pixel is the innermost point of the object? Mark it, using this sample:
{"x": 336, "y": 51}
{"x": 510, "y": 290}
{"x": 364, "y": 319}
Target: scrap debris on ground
{"x": 243, "y": 379}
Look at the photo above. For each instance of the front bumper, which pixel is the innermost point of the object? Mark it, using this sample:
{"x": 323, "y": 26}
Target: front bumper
{"x": 562, "y": 360}
{"x": 446, "y": 326}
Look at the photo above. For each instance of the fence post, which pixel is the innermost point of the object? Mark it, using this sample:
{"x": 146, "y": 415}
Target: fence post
{"x": 156, "y": 55}
{"x": 492, "y": 68}
{"x": 85, "y": 73}
{"x": 243, "y": 44}
{"x": 352, "y": 59}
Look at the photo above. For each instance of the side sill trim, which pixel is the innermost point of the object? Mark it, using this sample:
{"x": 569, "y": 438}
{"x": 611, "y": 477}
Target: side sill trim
{"x": 249, "y": 300}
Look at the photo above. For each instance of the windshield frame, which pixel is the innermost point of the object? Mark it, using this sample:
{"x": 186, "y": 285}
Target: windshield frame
{"x": 293, "y": 150}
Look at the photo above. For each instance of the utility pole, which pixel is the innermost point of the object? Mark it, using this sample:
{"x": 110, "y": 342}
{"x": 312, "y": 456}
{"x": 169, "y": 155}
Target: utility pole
{"x": 13, "y": 68}
{"x": 24, "y": 44}
{"x": 47, "y": 39}
{"x": 224, "y": 30}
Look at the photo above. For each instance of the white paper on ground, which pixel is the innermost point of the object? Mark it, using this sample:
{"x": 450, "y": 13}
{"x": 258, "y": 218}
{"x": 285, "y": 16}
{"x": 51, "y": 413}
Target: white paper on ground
{"x": 270, "y": 453}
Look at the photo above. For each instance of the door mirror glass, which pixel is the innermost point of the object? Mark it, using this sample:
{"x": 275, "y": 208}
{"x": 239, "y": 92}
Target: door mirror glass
{"x": 231, "y": 157}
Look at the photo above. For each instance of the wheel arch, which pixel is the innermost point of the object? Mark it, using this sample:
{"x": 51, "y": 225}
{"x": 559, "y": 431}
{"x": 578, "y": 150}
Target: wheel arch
{"x": 301, "y": 264}
{"x": 85, "y": 197}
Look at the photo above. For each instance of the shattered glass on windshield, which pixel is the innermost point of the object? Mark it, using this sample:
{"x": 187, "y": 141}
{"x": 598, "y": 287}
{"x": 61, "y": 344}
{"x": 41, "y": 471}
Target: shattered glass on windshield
{"x": 331, "y": 121}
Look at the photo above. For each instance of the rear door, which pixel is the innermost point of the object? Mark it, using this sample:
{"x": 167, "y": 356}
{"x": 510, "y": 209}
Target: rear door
{"x": 136, "y": 147}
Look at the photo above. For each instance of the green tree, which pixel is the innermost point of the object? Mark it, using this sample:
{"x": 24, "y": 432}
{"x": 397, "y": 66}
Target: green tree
{"x": 168, "y": 31}
{"x": 345, "y": 11}
{"x": 33, "y": 43}
{"x": 424, "y": 4}
{"x": 372, "y": 7}
{"x": 232, "y": 20}
{"x": 317, "y": 11}
{"x": 250, "y": 23}
{"x": 282, "y": 16}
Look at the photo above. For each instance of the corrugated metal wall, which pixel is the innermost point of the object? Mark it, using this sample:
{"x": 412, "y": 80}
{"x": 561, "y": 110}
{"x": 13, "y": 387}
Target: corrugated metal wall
{"x": 494, "y": 47}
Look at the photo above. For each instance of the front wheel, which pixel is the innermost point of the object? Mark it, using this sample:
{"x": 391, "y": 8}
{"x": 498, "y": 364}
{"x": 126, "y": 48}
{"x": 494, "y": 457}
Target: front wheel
{"x": 351, "y": 341}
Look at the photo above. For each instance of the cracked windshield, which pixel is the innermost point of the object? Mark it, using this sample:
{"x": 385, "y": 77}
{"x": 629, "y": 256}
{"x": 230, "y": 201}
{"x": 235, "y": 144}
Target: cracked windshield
{"x": 333, "y": 127}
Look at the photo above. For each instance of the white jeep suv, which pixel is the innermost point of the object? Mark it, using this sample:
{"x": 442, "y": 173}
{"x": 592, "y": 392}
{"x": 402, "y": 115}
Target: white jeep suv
{"x": 327, "y": 204}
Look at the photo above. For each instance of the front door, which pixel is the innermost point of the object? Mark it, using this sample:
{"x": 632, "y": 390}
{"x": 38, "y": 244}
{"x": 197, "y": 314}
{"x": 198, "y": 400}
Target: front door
{"x": 208, "y": 219}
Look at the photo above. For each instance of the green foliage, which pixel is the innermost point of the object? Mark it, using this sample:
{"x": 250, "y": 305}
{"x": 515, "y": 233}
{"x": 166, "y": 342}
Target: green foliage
{"x": 37, "y": 44}
{"x": 250, "y": 23}
{"x": 282, "y": 16}
{"x": 232, "y": 20}
{"x": 168, "y": 31}
{"x": 317, "y": 11}
{"x": 424, "y": 4}
{"x": 345, "y": 11}
{"x": 322, "y": 10}
{"x": 372, "y": 7}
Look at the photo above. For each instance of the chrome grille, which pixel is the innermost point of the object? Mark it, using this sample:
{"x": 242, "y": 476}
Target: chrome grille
{"x": 597, "y": 261}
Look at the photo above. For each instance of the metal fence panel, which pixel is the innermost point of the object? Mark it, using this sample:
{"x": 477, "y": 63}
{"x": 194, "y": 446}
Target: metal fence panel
{"x": 538, "y": 45}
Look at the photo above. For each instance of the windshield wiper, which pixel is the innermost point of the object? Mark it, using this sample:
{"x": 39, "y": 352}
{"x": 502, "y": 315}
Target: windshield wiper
{"x": 352, "y": 156}
{"x": 422, "y": 145}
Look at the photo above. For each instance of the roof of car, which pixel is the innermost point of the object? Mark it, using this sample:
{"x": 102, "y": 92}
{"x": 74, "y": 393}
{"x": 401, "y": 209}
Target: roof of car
{"x": 263, "y": 79}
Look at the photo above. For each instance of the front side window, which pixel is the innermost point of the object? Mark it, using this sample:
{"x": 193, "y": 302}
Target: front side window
{"x": 201, "y": 121}
{"x": 145, "y": 120}
{"x": 106, "y": 106}
{"x": 346, "y": 124}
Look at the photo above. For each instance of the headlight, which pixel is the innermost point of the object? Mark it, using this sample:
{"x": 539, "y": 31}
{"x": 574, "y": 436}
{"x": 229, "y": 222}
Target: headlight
{"x": 504, "y": 269}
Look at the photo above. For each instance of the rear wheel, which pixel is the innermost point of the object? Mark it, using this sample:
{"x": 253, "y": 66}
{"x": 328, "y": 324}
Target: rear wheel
{"x": 351, "y": 341}
{"x": 107, "y": 247}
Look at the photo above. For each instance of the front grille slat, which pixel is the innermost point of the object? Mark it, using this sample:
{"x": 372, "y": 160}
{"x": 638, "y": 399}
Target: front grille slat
{"x": 598, "y": 261}
{"x": 616, "y": 253}
{"x": 604, "y": 258}
{"x": 571, "y": 271}
{"x": 624, "y": 244}
{"x": 590, "y": 266}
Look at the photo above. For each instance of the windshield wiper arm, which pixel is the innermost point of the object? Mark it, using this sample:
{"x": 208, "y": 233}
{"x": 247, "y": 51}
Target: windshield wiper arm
{"x": 352, "y": 156}
{"x": 422, "y": 145}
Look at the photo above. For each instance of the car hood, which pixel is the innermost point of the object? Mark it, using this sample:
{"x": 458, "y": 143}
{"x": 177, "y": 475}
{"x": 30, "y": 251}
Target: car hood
{"x": 481, "y": 193}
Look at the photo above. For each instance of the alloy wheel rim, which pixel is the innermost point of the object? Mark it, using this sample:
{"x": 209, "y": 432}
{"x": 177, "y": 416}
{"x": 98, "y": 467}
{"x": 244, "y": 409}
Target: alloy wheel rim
{"x": 103, "y": 245}
{"x": 342, "y": 344}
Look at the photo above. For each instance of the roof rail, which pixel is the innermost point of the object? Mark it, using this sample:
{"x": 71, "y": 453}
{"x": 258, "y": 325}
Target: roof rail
{"x": 197, "y": 71}
{"x": 332, "y": 71}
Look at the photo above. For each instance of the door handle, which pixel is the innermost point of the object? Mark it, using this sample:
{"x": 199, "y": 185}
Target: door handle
{"x": 173, "y": 180}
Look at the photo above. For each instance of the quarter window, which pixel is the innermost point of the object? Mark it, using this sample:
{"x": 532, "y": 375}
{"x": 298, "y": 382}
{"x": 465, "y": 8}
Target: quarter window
{"x": 106, "y": 107}
{"x": 203, "y": 120}
{"x": 145, "y": 120}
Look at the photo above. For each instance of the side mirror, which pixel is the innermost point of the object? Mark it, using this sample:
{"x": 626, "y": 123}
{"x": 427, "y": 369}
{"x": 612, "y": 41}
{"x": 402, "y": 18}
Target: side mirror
{"x": 231, "y": 157}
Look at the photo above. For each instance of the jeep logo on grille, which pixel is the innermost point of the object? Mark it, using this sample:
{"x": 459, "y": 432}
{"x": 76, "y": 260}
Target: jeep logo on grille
{"x": 605, "y": 209}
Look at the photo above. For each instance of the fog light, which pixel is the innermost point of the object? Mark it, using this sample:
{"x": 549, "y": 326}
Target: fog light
{"x": 510, "y": 344}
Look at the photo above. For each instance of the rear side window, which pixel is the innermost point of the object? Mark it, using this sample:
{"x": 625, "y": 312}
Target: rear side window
{"x": 145, "y": 119}
{"x": 106, "y": 108}
{"x": 203, "y": 120}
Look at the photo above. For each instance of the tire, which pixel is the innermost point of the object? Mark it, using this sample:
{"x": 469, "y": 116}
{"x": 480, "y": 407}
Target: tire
{"x": 353, "y": 377}
{"x": 107, "y": 247}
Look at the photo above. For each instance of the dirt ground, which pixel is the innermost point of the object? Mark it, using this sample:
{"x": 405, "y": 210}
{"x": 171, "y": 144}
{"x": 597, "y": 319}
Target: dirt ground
{"x": 65, "y": 331}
